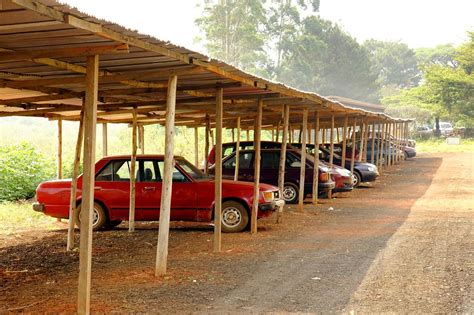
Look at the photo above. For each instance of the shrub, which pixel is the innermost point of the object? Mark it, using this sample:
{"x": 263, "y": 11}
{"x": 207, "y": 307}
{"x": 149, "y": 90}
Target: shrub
{"x": 22, "y": 168}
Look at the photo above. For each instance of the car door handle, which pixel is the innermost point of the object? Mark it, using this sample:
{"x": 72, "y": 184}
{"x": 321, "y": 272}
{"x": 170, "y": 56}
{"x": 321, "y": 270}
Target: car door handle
{"x": 97, "y": 188}
{"x": 148, "y": 188}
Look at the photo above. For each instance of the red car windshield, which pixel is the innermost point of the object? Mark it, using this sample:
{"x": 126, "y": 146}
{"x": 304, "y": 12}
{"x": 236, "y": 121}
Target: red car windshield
{"x": 192, "y": 170}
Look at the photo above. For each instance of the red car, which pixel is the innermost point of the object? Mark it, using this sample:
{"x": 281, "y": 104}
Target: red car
{"x": 192, "y": 194}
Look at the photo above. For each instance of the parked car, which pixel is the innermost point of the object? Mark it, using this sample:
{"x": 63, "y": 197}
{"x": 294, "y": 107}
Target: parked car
{"x": 424, "y": 132}
{"x": 363, "y": 172}
{"x": 270, "y": 161}
{"x": 446, "y": 129}
{"x": 192, "y": 194}
{"x": 388, "y": 150}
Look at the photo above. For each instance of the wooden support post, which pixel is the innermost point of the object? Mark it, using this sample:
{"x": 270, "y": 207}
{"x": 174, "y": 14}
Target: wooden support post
{"x": 248, "y": 134}
{"x": 281, "y": 169}
{"x": 196, "y": 146}
{"x": 304, "y": 137}
{"x": 331, "y": 147}
{"x": 233, "y": 134}
{"x": 372, "y": 152}
{"x": 104, "y": 140}
{"x": 133, "y": 171}
{"x": 324, "y": 136}
{"x": 206, "y": 146}
{"x": 213, "y": 138}
{"x": 353, "y": 145}
{"x": 383, "y": 158}
{"x": 389, "y": 144}
{"x": 256, "y": 177}
{"x": 60, "y": 149}
{"x": 278, "y": 131}
{"x": 344, "y": 142}
{"x": 361, "y": 144}
{"x": 167, "y": 180}
{"x": 300, "y": 135}
{"x": 141, "y": 132}
{"x": 75, "y": 174}
{"x": 237, "y": 152}
{"x": 218, "y": 173}
{"x": 88, "y": 179}
{"x": 316, "y": 160}
{"x": 366, "y": 140}
{"x": 337, "y": 135}
{"x": 290, "y": 134}
{"x": 379, "y": 145}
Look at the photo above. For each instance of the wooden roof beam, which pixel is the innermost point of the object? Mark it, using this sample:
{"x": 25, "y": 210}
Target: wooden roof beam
{"x": 7, "y": 56}
{"x": 98, "y": 29}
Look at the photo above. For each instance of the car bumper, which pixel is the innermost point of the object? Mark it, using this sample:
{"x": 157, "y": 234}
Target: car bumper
{"x": 272, "y": 206}
{"x": 327, "y": 186}
{"x": 369, "y": 176}
{"x": 39, "y": 207}
{"x": 410, "y": 154}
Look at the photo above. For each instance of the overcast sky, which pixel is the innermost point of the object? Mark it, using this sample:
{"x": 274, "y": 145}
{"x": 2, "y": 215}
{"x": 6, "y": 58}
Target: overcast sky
{"x": 419, "y": 23}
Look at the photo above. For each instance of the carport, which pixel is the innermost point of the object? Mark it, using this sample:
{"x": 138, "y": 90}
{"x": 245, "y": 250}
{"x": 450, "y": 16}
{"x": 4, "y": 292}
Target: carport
{"x": 60, "y": 64}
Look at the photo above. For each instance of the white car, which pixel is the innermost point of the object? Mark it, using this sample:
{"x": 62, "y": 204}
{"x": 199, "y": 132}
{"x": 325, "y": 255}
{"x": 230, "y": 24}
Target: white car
{"x": 445, "y": 128}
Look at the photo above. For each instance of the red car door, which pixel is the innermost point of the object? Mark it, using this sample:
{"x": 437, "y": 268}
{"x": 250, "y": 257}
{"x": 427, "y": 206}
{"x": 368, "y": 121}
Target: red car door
{"x": 149, "y": 186}
{"x": 112, "y": 187}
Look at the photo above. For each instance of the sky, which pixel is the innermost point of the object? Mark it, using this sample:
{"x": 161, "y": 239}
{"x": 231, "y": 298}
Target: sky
{"x": 418, "y": 23}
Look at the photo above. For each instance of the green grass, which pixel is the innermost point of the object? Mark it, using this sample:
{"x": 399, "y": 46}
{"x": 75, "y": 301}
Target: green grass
{"x": 440, "y": 146}
{"x": 17, "y": 216}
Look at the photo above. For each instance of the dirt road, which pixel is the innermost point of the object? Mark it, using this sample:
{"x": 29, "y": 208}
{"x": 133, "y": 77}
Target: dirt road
{"x": 404, "y": 244}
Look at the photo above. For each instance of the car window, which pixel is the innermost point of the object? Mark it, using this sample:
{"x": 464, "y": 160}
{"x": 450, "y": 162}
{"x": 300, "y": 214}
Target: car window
{"x": 190, "y": 169}
{"x": 270, "y": 160}
{"x": 290, "y": 159}
{"x": 245, "y": 159}
{"x": 227, "y": 150}
{"x": 178, "y": 176}
{"x": 148, "y": 172}
{"x": 116, "y": 171}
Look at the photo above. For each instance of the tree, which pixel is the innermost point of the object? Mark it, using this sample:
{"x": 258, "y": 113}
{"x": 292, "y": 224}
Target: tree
{"x": 442, "y": 55}
{"x": 447, "y": 90}
{"x": 283, "y": 23}
{"x": 235, "y": 32}
{"x": 325, "y": 59}
{"x": 394, "y": 62}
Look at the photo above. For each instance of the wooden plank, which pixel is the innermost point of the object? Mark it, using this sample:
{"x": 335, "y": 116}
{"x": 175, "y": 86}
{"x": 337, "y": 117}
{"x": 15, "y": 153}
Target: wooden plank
{"x": 366, "y": 139}
{"x": 344, "y": 142}
{"x": 361, "y": 145}
{"x": 9, "y": 56}
{"x": 383, "y": 159}
{"x": 165, "y": 208}
{"x": 75, "y": 174}
{"x": 133, "y": 171}
{"x": 42, "y": 98}
{"x": 379, "y": 146}
{"x": 331, "y": 149}
{"x": 316, "y": 159}
{"x": 60, "y": 150}
{"x": 304, "y": 137}
{"x": 20, "y": 26}
{"x": 353, "y": 145}
{"x": 141, "y": 138}
{"x": 104, "y": 140}
{"x": 257, "y": 157}
{"x": 237, "y": 152}
{"x": 196, "y": 146}
{"x": 388, "y": 144}
{"x": 372, "y": 155}
{"x": 206, "y": 145}
{"x": 281, "y": 168}
{"x": 217, "y": 244}
{"x": 87, "y": 205}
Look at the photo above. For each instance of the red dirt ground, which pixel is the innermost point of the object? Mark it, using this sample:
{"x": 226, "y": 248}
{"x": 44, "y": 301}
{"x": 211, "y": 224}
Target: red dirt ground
{"x": 365, "y": 255}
